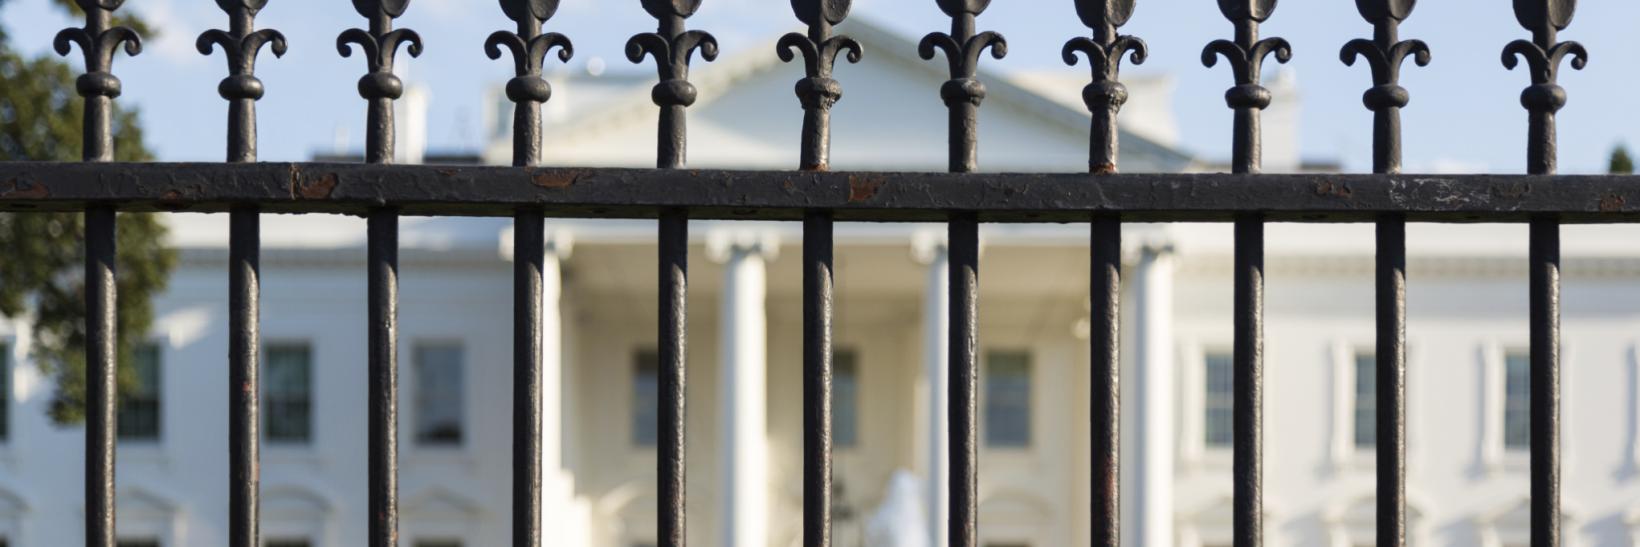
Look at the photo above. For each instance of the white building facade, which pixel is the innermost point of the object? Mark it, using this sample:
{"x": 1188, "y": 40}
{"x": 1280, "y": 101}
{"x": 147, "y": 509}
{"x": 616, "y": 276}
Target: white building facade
{"x": 1466, "y": 333}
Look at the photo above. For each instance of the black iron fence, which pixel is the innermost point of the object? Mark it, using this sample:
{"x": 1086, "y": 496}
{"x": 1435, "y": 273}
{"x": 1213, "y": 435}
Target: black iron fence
{"x": 673, "y": 195}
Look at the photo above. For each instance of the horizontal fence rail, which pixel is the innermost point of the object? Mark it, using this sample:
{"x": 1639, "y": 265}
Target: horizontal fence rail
{"x": 673, "y": 194}
{"x": 784, "y": 195}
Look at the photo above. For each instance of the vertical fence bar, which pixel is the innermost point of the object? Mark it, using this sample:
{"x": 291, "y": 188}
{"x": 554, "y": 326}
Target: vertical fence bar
{"x": 672, "y": 46}
{"x": 962, "y": 95}
{"x": 673, "y": 343}
{"x": 1543, "y": 53}
{"x": 817, "y": 92}
{"x": 1384, "y": 54}
{"x": 240, "y": 45}
{"x": 1104, "y": 98}
{"x": 529, "y": 248}
{"x": 1248, "y": 382}
{"x": 98, "y": 40}
{"x": 1104, "y": 338}
{"x": 964, "y": 398}
{"x": 527, "y": 90}
{"x": 1391, "y": 312}
{"x": 380, "y": 87}
{"x": 1246, "y": 56}
{"x": 817, "y": 374}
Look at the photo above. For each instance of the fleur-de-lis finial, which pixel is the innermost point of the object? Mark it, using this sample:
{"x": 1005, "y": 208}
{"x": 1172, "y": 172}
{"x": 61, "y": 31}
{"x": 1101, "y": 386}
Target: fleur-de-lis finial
{"x": 671, "y": 46}
{"x": 98, "y": 41}
{"x": 1106, "y": 94}
{"x": 818, "y": 92}
{"x": 1385, "y": 54}
{"x": 963, "y": 92}
{"x": 1543, "y": 55}
{"x": 1246, "y": 57}
{"x": 240, "y": 45}
{"x": 529, "y": 47}
{"x": 380, "y": 45}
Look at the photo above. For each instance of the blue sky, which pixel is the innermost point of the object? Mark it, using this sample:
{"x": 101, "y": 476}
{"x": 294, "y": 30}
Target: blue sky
{"x": 1464, "y": 116}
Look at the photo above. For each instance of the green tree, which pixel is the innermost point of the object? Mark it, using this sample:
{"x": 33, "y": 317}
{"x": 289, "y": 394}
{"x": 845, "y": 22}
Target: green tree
{"x": 42, "y": 273}
{"x": 1621, "y": 163}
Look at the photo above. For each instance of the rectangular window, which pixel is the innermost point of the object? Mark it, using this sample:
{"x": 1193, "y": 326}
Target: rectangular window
{"x": 845, "y": 399}
{"x": 437, "y": 543}
{"x": 139, "y": 410}
{"x": 287, "y": 393}
{"x": 1219, "y": 400}
{"x": 646, "y": 385}
{"x": 1008, "y": 399}
{"x": 440, "y": 414}
{"x": 5, "y": 399}
{"x": 1366, "y": 400}
{"x": 1517, "y": 400}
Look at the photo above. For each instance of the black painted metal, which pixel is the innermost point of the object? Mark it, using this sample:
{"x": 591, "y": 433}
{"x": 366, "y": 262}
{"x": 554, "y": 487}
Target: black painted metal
{"x": 671, "y": 46}
{"x": 768, "y": 195}
{"x": 817, "y": 92}
{"x": 1391, "y": 313}
{"x": 380, "y": 87}
{"x": 963, "y": 240}
{"x": 673, "y": 339}
{"x": 1544, "y": 315}
{"x": 1246, "y": 57}
{"x": 1543, "y": 54}
{"x": 1248, "y": 382}
{"x": 817, "y": 352}
{"x": 1104, "y": 98}
{"x": 962, "y": 95}
{"x": 1106, "y": 95}
{"x": 240, "y": 45}
{"x": 529, "y": 248}
{"x": 529, "y": 47}
{"x": 964, "y": 199}
{"x": 98, "y": 86}
{"x": 100, "y": 340}
{"x": 1104, "y": 338}
{"x": 528, "y": 90}
{"x": 963, "y": 92}
{"x": 1385, "y": 53}
{"x": 383, "y": 488}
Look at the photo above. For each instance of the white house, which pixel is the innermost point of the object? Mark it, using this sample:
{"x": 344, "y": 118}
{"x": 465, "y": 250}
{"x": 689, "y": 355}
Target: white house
{"x": 1467, "y": 329}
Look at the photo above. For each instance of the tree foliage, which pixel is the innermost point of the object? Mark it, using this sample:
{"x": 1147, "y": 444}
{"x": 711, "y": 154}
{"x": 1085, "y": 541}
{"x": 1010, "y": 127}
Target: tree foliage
{"x": 42, "y": 271}
{"x": 1621, "y": 163}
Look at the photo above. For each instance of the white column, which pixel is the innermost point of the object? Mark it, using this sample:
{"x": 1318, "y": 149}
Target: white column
{"x": 1153, "y": 303}
{"x": 743, "y": 390}
{"x": 560, "y": 513}
{"x": 930, "y": 249}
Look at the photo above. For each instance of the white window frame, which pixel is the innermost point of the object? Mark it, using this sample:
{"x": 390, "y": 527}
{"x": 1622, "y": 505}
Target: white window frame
{"x": 460, "y": 454}
{"x": 310, "y": 454}
{"x": 154, "y": 451}
{"x": 438, "y": 513}
{"x": 1211, "y": 523}
{"x": 1342, "y": 453}
{"x": 1194, "y": 454}
{"x": 1495, "y": 458}
{"x": 1343, "y": 531}
{"x": 293, "y": 447}
{"x": 317, "y": 526}
{"x": 160, "y": 519}
{"x": 1033, "y": 439}
{"x": 1495, "y": 529}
